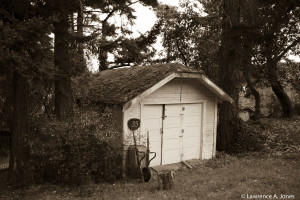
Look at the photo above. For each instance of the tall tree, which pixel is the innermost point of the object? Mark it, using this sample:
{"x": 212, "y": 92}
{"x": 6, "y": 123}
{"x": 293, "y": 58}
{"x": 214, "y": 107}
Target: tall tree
{"x": 238, "y": 19}
{"x": 62, "y": 60}
{"x": 190, "y": 36}
{"x": 279, "y": 27}
{"x": 24, "y": 53}
{"x": 112, "y": 38}
{"x": 69, "y": 61}
{"x": 252, "y": 75}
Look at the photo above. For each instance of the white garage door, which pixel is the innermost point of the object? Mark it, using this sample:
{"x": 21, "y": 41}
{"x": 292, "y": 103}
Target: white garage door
{"x": 192, "y": 130}
{"x": 152, "y": 123}
{"x": 180, "y": 128}
{"x": 172, "y": 140}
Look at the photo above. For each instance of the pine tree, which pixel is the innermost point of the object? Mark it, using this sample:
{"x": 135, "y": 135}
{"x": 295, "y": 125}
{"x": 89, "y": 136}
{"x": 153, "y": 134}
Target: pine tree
{"x": 24, "y": 53}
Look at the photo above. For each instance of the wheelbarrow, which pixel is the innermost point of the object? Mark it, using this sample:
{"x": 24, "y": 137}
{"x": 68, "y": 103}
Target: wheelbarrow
{"x": 145, "y": 171}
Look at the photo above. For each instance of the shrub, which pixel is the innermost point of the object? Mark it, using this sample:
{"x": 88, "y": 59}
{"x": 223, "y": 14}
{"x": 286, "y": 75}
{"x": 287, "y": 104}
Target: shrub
{"x": 282, "y": 135}
{"x": 274, "y": 107}
{"x": 249, "y": 137}
{"x": 220, "y": 160}
{"x": 297, "y": 109}
{"x": 75, "y": 151}
{"x": 4, "y": 145}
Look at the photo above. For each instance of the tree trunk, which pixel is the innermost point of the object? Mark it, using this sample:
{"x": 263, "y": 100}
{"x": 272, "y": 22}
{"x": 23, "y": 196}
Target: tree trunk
{"x": 102, "y": 59}
{"x": 165, "y": 180}
{"x": 255, "y": 93}
{"x": 63, "y": 83}
{"x": 286, "y": 103}
{"x": 229, "y": 63}
{"x": 20, "y": 172}
{"x": 102, "y": 49}
{"x": 229, "y": 79}
{"x": 80, "y": 33}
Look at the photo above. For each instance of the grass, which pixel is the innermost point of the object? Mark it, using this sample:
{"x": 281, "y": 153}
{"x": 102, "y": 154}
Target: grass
{"x": 248, "y": 175}
{"x": 259, "y": 173}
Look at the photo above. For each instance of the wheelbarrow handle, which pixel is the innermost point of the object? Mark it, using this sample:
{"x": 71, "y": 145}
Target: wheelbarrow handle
{"x": 153, "y": 156}
{"x": 144, "y": 154}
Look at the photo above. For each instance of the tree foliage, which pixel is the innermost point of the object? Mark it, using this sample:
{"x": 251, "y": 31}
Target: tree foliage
{"x": 190, "y": 37}
{"x": 278, "y": 37}
{"x": 233, "y": 39}
{"x": 112, "y": 38}
{"x": 25, "y": 50}
{"x": 37, "y": 69}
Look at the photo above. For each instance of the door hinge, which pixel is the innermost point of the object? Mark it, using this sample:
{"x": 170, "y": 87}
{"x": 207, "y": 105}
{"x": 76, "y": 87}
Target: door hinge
{"x": 182, "y": 130}
{"x": 183, "y": 108}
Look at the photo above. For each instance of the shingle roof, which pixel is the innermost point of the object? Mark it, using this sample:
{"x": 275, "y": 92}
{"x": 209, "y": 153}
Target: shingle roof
{"x": 118, "y": 86}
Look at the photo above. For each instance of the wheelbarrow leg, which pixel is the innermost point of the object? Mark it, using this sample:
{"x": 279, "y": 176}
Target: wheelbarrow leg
{"x": 137, "y": 158}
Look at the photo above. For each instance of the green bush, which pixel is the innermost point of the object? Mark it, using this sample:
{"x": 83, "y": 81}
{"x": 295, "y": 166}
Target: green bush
{"x": 248, "y": 137}
{"x": 76, "y": 151}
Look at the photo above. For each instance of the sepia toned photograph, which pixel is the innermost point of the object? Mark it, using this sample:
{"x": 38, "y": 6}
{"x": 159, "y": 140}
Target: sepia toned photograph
{"x": 149, "y": 99}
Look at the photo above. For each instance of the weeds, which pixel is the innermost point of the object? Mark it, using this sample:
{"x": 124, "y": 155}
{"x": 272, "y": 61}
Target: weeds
{"x": 222, "y": 159}
{"x": 224, "y": 177}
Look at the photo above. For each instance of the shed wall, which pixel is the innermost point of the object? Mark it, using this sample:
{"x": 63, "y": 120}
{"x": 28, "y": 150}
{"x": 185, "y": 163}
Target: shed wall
{"x": 179, "y": 90}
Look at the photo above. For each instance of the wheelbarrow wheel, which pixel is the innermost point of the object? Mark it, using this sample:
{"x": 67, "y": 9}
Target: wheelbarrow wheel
{"x": 146, "y": 174}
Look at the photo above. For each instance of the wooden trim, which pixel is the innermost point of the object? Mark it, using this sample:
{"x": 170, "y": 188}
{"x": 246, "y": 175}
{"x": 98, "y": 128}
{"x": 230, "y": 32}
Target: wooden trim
{"x": 215, "y": 128}
{"x": 141, "y": 133}
{"x": 203, "y": 128}
{"x": 208, "y": 83}
{"x": 172, "y": 102}
{"x": 124, "y": 147}
{"x": 148, "y": 91}
{"x": 203, "y": 79}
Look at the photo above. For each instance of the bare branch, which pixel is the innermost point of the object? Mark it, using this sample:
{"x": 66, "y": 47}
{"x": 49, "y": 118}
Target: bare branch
{"x": 277, "y": 58}
{"x": 181, "y": 53}
{"x": 109, "y": 15}
{"x": 114, "y": 10}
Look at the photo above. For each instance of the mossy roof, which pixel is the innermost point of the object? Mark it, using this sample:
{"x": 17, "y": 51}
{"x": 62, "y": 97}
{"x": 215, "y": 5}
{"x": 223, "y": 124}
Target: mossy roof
{"x": 118, "y": 86}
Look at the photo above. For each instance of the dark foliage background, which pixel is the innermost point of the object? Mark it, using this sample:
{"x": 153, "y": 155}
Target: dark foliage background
{"x": 78, "y": 150}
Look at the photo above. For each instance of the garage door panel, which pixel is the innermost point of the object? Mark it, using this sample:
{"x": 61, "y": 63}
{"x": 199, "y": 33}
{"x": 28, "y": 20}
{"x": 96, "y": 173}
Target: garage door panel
{"x": 152, "y": 124}
{"x": 154, "y": 146}
{"x": 172, "y": 110}
{"x": 172, "y": 121}
{"x": 174, "y": 145}
{"x": 171, "y": 133}
{"x": 190, "y": 142}
{"x": 193, "y": 108}
{"x": 191, "y": 153}
{"x": 192, "y": 119}
{"x": 171, "y": 143}
{"x": 191, "y": 131}
{"x": 155, "y": 110}
{"x": 171, "y": 156}
{"x": 154, "y": 135}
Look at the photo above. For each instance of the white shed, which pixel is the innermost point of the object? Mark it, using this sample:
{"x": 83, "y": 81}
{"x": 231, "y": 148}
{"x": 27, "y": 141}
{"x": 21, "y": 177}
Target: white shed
{"x": 177, "y": 106}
